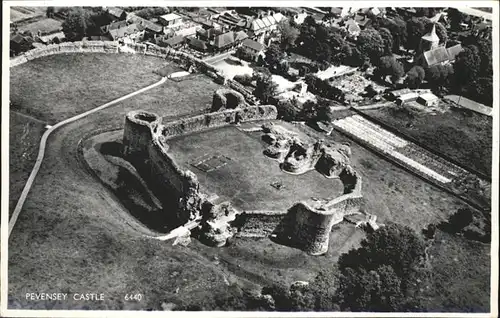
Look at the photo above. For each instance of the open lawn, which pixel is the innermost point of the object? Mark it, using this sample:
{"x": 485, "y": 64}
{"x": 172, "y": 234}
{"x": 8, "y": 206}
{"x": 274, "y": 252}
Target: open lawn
{"x": 57, "y": 87}
{"x": 396, "y": 195}
{"x": 24, "y": 137}
{"x": 247, "y": 177}
{"x": 192, "y": 94}
{"x": 462, "y": 135}
{"x": 461, "y": 275}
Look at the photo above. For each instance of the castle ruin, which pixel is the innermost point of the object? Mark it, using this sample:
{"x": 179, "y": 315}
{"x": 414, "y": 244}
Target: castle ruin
{"x": 305, "y": 225}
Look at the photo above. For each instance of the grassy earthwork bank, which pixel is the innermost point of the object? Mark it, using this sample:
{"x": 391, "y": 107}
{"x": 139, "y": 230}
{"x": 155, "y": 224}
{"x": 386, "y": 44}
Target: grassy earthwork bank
{"x": 74, "y": 236}
{"x": 463, "y": 135}
{"x": 460, "y": 279}
{"x": 24, "y": 138}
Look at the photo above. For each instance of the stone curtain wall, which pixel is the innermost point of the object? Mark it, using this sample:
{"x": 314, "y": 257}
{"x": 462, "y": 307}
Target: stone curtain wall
{"x": 145, "y": 138}
{"x": 217, "y": 119}
{"x": 308, "y": 228}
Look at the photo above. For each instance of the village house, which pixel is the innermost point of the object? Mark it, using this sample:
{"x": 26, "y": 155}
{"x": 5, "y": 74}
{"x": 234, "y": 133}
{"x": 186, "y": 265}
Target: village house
{"x": 116, "y": 14}
{"x": 51, "y": 38}
{"x": 20, "y": 43}
{"x": 223, "y": 42}
{"x": 151, "y": 29}
{"x": 265, "y": 25}
{"x": 255, "y": 48}
{"x": 428, "y": 99}
{"x": 171, "y": 21}
{"x": 173, "y": 42}
{"x": 113, "y": 26}
{"x": 362, "y": 21}
{"x": 130, "y": 33}
{"x": 352, "y": 28}
{"x": 405, "y": 98}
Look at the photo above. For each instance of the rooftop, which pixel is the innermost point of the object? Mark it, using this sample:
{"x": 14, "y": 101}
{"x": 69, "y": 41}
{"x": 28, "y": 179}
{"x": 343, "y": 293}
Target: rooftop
{"x": 253, "y": 45}
{"x": 436, "y": 56}
{"x": 170, "y": 17}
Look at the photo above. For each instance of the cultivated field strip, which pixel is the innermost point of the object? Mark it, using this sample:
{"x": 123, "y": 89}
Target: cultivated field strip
{"x": 404, "y": 152}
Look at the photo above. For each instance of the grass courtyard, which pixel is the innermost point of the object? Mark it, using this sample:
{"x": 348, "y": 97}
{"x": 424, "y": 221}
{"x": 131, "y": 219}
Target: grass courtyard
{"x": 247, "y": 177}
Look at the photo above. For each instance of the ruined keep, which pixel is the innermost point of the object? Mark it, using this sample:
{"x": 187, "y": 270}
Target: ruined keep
{"x": 305, "y": 225}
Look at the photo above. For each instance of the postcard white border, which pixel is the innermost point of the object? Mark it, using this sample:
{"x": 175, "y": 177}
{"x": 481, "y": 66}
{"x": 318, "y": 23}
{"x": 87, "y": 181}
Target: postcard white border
{"x": 81, "y": 313}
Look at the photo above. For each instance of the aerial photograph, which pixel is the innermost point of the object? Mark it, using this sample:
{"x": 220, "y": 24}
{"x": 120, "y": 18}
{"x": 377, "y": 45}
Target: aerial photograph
{"x": 257, "y": 159}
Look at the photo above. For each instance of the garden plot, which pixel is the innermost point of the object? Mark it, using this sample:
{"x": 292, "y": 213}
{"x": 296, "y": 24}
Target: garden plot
{"x": 404, "y": 152}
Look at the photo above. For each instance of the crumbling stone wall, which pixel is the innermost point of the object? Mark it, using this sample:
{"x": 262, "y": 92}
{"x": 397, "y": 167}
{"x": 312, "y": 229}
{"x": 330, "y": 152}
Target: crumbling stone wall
{"x": 297, "y": 157}
{"x": 145, "y": 139}
{"x": 227, "y": 99}
{"x": 217, "y": 119}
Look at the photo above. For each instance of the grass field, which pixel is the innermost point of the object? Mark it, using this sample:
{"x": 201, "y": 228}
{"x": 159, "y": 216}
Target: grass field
{"x": 57, "y": 87}
{"x": 45, "y": 26}
{"x": 190, "y": 95}
{"x": 21, "y": 13}
{"x": 461, "y": 274}
{"x": 462, "y": 135}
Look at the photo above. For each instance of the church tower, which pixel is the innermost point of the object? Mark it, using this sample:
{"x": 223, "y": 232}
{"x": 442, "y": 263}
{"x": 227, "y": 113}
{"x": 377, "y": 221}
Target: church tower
{"x": 429, "y": 41}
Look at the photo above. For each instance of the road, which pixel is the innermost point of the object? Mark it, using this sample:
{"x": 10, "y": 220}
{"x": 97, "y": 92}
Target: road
{"x": 214, "y": 59}
{"x": 43, "y": 142}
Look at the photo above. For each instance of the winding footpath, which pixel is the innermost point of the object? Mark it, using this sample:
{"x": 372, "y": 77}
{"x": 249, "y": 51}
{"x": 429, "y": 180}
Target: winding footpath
{"x": 43, "y": 142}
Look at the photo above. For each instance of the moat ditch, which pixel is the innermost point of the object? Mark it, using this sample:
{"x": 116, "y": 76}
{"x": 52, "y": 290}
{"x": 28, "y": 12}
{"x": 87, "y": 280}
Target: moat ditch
{"x": 103, "y": 155}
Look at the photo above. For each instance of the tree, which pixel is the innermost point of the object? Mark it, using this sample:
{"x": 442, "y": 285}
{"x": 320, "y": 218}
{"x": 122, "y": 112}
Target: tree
{"x": 439, "y": 75}
{"x": 456, "y": 18}
{"x": 388, "y": 40}
{"x": 383, "y": 272}
{"x": 244, "y": 79}
{"x": 274, "y": 55}
{"x": 370, "y": 44}
{"x": 244, "y": 53}
{"x": 415, "y": 77}
{"x": 288, "y": 34}
{"x": 467, "y": 65}
{"x": 151, "y": 12}
{"x": 390, "y": 66}
{"x": 441, "y": 32}
{"x": 50, "y": 12}
{"x": 483, "y": 90}
{"x": 374, "y": 290}
{"x": 83, "y": 22}
{"x": 416, "y": 28}
{"x": 265, "y": 88}
{"x": 397, "y": 27}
